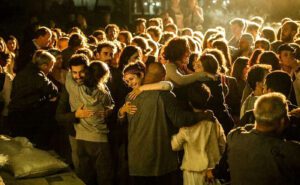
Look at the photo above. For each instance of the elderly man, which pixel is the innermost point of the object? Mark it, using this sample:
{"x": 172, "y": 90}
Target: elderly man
{"x": 30, "y": 113}
{"x": 259, "y": 155}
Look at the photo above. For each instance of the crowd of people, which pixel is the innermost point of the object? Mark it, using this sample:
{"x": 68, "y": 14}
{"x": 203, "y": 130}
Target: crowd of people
{"x": 165, "y": 104}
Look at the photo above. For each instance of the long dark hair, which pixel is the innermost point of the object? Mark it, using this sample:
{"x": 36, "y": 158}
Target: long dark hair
{"x": 127, "y": 52}
{"x": 97, "y": 75}
{"x": 238, "y": 66}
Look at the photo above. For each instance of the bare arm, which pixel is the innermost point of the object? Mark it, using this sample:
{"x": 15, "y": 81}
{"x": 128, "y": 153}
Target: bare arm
{"x": 180, "y": 80}
{"x": 162, "y": 85}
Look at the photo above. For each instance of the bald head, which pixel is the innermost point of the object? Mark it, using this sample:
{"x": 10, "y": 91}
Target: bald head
{"x": 155, "y": 72}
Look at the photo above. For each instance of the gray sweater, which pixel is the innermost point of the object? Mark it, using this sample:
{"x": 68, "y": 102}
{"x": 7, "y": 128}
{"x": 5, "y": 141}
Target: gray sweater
{"x": 93, "y": 128}
{"x": 149, "y": 133}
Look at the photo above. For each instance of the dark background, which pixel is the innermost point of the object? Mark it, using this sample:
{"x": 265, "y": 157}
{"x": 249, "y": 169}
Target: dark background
{"x": 18, "y": 16}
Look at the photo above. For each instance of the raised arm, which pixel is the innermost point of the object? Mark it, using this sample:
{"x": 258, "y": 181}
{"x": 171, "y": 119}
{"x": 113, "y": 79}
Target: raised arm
{"x": 162, "y": 85}
{"x": 180, "y": 80}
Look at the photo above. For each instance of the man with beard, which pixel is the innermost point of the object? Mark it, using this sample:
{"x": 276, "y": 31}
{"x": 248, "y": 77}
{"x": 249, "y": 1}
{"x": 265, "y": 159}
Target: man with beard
{"x": 245, "y": 47}
{"x": 288, "y": 31}
{"x": 105, "y": 52}
{"x": 237, "y": 26}
{"x": 64, "y": 115}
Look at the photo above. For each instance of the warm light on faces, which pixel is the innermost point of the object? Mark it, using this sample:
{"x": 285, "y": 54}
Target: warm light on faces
{"x": 132, "y": 80}
{"x": 78, "y": 74}
{"x": 47, "y": 68}
{"x": 105, "y": 55}
{"x": 11, "y": 45}
{"x": 122, "y": 38}
{"x": 135, "y": 57}
{"x": 62, "y": 44}
{"x": 186, "y": 57}
{"x": 45, "y": 40}
{"x": 286, "y": 34}
{"x": 112, "y": 34}
{"x": 287, "y": 58}
{"x": 197, "y": 66}
{"x": 236, "y": 29}
{"x": 244, "y": 44}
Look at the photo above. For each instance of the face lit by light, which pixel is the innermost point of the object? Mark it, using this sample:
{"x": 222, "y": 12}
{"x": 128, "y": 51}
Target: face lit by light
{"x": 132, "y": 80}
{"x": 78, "y": 73}
{"x": 287, "y": 58}
{"x": 197, "y": 66}
{"x": 135, "y": 57}
{"x": 106, "y": 55}
{"x": 45, "y": 40}
{"x": 11, "y": 45}
{"x": 186, "y": 57}
{"x": 47, "y": 68}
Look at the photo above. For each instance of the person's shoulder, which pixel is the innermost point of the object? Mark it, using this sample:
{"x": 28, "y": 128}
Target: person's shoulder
{"x": 237, "y": 132}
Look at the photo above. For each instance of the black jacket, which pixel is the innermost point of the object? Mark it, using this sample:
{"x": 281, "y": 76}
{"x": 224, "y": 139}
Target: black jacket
{"x": 31, "y": 89}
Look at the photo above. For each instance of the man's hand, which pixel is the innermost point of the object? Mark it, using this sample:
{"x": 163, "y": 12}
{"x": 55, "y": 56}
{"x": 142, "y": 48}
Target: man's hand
{"x": 82, "y": 112}
{"x": 128, "y": 108}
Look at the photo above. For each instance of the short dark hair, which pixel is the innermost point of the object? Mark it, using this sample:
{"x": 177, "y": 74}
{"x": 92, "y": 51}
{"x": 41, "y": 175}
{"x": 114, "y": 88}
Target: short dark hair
{"x": 41, "y": 31}
{"x": 210, "y": 63}
{"x": 105, "y": 44}
{"x": 140, "y": 21}
{"x": 256, "y": 74}
{"x": 269, "y": 33}
{"x": 198, "y": 95}
{"x": 99, "y": 32}
{"x": 269, "y": 58}
{"x": 127, "y": 35}
{"x": 156, "y": 30}
{"x": 76, "y": 40}
{"x": 109, "y": 26}
{"x": 292, "y": 24}
{"x": 285, "y": 47}
{"x": 142, "y": 43}
{"x": 238, "y": 21}
{"x": 78, "y": 60}
{"x": 264, "y": 42}
{"x": 252, "y": 26}
{"x": 172, "y": 26}
{"x": 279, "y": 81}
{"x": 85, "y": 51}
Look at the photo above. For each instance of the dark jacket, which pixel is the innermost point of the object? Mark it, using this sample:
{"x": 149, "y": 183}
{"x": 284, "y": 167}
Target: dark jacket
{"x": 262, "y": 159}
{"x": 25, "y": 56}
{"x": 31, "y": 89}
{"x": 149, "y": 133}
{"x": 63, "y": 115}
